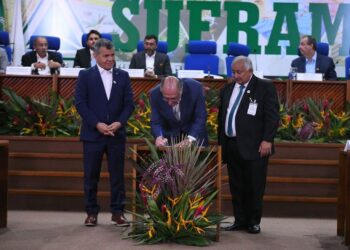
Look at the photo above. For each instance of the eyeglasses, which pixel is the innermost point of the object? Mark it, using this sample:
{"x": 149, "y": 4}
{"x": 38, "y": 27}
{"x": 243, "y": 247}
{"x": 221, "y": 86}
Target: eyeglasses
{"x": 238, "y": 72}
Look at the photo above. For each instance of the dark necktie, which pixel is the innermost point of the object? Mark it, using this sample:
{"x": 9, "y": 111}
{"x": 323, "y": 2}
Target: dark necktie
{"x": 235, "y": 104}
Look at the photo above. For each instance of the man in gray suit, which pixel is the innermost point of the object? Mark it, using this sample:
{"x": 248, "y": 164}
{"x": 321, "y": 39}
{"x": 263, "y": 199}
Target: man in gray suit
{"x": 154, "y": 63}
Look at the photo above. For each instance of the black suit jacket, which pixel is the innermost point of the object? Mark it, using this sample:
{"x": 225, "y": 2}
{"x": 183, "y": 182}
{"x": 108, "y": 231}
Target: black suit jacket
{"x": 30, "y": 57}
{"x": 324, "y": 65}
{"x": 161, "y": 63}
{"x": 82, "y": 58}
{"x": 251, "y": 130}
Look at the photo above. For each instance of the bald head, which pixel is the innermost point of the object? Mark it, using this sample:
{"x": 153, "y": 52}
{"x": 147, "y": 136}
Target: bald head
{"x": 171, "y": 88}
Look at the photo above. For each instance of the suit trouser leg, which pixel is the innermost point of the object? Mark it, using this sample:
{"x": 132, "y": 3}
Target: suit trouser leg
{"x": 236, "y": 181}
{"x": 247, "y": 185}
{"x": 93, "y": 153}
{"x": 116, "y": 158}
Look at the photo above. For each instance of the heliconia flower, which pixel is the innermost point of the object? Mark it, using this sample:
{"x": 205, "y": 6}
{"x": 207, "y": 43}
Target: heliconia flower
{"x": 29, "y": 110}
{"x": 141, "y": 104}
{"x": 213, "y": 110}
{"x": 325, "y": 104}
{"x": 137, "y": 116}
{"x": 306, "y": 108}
{"x": 198, "y": 211}
{"x": 164, "y": 208}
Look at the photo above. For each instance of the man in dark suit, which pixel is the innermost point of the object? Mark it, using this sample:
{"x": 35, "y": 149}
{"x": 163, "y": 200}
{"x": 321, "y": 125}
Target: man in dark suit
{"x": 178, "y": 112}
{"x": 104, "y": 100}
{"x": 84, "y": 57}
{"x": 154, "y": 63}
{"x": 312, "y": 62}
{"x": 43, "y": 62}
{"x": 248, "y": 120}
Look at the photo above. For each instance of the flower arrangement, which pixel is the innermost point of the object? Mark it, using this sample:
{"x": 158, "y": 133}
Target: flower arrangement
{"x": 177, "y": 190}
{"x": 312, "y": 120}
{"x": 25, "y": 116}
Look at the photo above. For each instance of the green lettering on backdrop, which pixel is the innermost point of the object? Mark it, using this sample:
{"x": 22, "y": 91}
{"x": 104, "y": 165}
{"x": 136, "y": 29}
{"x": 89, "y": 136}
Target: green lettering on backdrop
{"x": 174, "y": 8}
{"x": 284, "y": 11}
{"x": 127, "y": 26}
{"x": 234, "y": 26}
{"x": 153, "y": 7}
{"x": 321, "y": 12}
{"x": 196, "y": 25}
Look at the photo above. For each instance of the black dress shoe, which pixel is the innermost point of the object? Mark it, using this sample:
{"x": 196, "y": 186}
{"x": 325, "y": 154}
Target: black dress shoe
{"x": 235, "y": 227}
{"x": 254, "y": 229}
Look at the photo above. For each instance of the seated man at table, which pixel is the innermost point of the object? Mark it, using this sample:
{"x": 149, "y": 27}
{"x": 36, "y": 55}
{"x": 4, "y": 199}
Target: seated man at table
{"x": 312, "y": 62}
{"x": 4, "y": 62}
{"x": 84, "y": 57}
{"x": 42, "y": 61}
{"x": 178, "y": 112}
{"x": 154, "y": 63}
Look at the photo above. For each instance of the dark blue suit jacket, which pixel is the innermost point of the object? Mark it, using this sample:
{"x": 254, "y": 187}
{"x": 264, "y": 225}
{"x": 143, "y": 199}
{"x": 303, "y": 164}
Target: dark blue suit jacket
{"x": 93, "y": 106}
{"x": 324, "y": 65}
{"x": 192, "y": 109}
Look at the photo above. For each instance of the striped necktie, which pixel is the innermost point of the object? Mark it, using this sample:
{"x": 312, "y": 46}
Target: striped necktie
{"x": 235, "y": 104}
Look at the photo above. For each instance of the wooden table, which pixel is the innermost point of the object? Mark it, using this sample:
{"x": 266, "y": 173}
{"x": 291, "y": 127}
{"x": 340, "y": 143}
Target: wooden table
{"x": 343, "y": 213}
{"x": 4, "y": 154}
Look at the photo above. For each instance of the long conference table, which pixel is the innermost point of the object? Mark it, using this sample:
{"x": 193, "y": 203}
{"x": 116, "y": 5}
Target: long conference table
{"x": 289, "y": 91}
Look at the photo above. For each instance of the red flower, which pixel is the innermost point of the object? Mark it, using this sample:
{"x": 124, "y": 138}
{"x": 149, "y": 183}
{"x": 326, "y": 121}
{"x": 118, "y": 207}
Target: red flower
{"x": 306, "y": 108}
{"x": 141, "y": 104}
{"x": 213, "y": 110}
{"x": 137, "y": 117}
{"x": 325, "y": 104}
{"x": 29, "y": 110}
{"x": 163, "y": 208}
{"x": 15, "y": 121}
{"x": 199, "y": 211}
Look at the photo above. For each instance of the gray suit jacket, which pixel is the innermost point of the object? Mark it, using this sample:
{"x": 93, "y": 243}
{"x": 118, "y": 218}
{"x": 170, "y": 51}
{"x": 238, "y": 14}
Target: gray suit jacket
{"x": 161, "y": 63}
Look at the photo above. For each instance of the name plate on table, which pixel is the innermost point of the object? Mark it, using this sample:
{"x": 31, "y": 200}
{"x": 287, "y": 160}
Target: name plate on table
{"x": 190, "y": 74}
{"x": 347, "y": 146}
{"x": 309, "y": 77}
{"x": 14, "y": 70}
{"x": 135, "y": 72}
{"x": 70, "y": 71}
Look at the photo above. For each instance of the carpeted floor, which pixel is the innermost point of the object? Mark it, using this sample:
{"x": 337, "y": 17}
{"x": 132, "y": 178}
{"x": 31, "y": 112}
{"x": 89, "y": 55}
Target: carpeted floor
{"x": 65, "y": 231}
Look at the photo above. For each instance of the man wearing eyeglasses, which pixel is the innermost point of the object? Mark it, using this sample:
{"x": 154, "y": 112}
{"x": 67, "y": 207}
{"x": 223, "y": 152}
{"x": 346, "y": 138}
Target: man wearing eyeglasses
{"x": 248, "y": 120}
{"x": 178, "y": 112}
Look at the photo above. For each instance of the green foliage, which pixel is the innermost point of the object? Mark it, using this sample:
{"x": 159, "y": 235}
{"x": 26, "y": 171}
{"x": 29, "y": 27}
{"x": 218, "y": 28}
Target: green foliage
{"x": 176, "y": 192}
{"x": 25, "y": 116}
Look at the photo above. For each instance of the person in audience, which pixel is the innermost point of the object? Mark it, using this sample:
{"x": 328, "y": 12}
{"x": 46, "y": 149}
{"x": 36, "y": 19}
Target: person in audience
{"x": 42, "y": 61}
{"x": 312, "y": 62}
{"x": 84, "y": 57}
{"x": 104, "y": 100}
{"x": 4, "y": 62}
{"x": 154, "y": 63}
{"x": 178, "y": 112}
{"x": 247, "y": 124}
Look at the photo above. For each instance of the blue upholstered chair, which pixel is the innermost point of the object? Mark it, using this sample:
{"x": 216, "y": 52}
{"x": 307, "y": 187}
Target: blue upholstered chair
{"x": 202, "y": 56}
{"x": 235, "y": 49}
{"x": 5, "y": 43}
{"x": 321, "y": 48}
{"x": 54, "y": 43}
{"x": 347, "y": 67}
{"x": 161, "y": 48}
{"x": 103, "y": 35}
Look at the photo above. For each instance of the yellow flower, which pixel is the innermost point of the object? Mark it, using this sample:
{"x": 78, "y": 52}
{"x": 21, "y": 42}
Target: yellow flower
{"x": 174, "y": 201}
{"x": 151, "y": 232}
{"x": 342, "y": 131}
{"x": 168, "y": 222}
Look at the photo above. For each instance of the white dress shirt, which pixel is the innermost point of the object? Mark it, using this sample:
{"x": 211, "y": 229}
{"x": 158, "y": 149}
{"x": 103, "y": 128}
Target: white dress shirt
{"x": 232, "y": 101}
{"x": 150, "y": 61}
{"x": 44, "y": 60}
{"x": 107, "y": 78}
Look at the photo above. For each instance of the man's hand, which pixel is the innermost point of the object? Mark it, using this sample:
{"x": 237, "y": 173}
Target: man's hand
{"x": 265, "y": 148}
{"x": 113, "y": 128}
{"x": 103, "y": 128}
{"x": 54, "y": 65}
{"x": 150, "y": 73}
{"x": 39, "y": 65}
{"x": 184, "y": 143}
{"x": 161, "y": 141}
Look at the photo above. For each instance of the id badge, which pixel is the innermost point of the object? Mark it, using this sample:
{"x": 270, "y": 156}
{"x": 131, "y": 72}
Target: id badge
{"x": 252, "y": 108}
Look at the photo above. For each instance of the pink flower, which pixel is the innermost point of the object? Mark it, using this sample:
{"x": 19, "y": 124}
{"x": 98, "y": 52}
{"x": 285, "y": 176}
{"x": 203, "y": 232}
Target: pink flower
{"x": 137, "y": 117}
{"x": 199, "y": 211}
{"x": 213, "y": 110}
{"x": 141, "y": 104}
{"x": 325, "y": 104}
{"x": 306, "y": 108}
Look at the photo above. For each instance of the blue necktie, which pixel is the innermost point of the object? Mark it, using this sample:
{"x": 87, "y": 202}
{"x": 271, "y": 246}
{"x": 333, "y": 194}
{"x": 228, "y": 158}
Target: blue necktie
{"x": 235, "y": 104}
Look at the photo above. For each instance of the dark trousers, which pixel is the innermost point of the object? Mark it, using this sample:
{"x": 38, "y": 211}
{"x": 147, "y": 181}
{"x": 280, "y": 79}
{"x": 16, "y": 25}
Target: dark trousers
{"x": 247, "y": 181}
{"x": 93, "y": 155}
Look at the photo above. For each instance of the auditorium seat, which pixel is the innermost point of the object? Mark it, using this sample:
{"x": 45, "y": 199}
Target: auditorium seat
{"x": 103, "y": 35}
{"x": 5, "y": 43}
{"x": 235, "y": 49}
{"x": 161, "y": 48}
{"x": 202, "y": 56}
{"x": 347, "y": 67}
{"x": 321, "y": 48}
